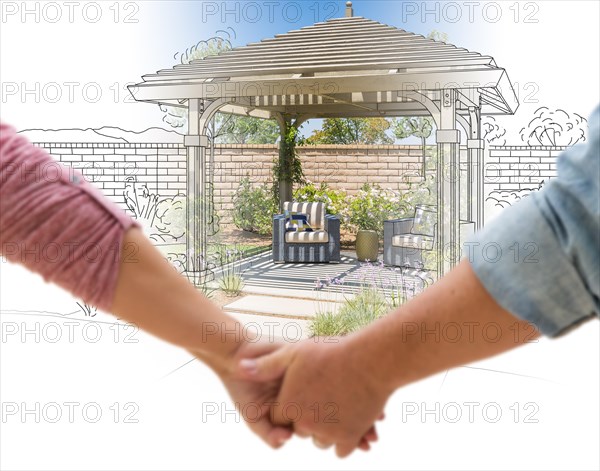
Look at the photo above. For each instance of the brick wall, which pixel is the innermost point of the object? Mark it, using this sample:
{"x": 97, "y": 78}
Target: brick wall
{"x": 520, "y": 167}
{"x": 162, "y": 167}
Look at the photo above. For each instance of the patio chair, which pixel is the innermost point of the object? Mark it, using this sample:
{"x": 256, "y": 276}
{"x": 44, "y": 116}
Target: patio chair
{"x": 319, "y": 245}
{"x": 406, "y": 240}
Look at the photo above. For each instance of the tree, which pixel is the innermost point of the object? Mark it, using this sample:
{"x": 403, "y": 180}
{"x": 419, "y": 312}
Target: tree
{"x": 246, "y": 130}
{"x": 554, "y": 128}
{"x": 352, "y": 131}
{"x": 227, "y": 128}
{"x": 438, "y": 36}
{"x": 420, "y": 127}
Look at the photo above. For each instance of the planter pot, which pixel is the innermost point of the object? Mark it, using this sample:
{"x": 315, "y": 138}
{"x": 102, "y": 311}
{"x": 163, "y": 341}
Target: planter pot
{"x": 367, "y": 245}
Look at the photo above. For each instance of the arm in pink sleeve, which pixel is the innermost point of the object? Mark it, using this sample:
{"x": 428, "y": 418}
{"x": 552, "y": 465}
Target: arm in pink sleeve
{"x": 57, "y": 224}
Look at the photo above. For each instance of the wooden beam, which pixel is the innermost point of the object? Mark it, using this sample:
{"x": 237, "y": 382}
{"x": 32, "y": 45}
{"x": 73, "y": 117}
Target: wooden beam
{"x": 332, "y": 45}
{"x": 320, "y": 48}
{"x": 194, "y": 189}
{"x": 448, "y": 181}
{"x": 341, "y": 39}
{"x": 175, "y": 89}
{"x": 324, "y": 55}
{"x": 285, "y": 65}
{"x": 320, "y": 68}
{"x": 347, "y": 35}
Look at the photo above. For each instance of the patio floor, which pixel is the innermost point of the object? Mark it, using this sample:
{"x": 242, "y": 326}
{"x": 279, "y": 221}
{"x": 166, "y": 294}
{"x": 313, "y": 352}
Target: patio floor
{"x": 281, "y": 299}
{"x": 299, "y": 280}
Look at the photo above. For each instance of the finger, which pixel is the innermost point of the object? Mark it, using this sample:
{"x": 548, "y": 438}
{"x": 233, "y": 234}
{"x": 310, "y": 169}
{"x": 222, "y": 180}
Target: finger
{"x": 322, "y": 444}
{"x": 371, "y": 435}
{"x": 344, "y": 449}
{"x": 364, "y": 445}
{"x": 381, "y": 416}
{"x": 302, "y": 433}
{"x": 266, "y": 368}
{"x": 275, "y": 436}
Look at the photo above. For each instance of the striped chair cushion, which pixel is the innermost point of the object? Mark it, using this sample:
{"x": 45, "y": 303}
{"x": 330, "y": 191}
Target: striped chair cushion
{"x": 413, "y": 241}
{"x": 316, "y": 237}
{"x": 315, "y": 211}
{"x": 424, "y": 221}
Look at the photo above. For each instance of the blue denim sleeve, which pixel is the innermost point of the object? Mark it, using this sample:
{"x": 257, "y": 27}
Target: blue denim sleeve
{"x": 540, "y": 258}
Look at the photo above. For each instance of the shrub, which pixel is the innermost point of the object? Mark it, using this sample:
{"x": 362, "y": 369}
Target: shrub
{"x": 170, "y": 220}
{"x": 373, "y": 205}
{"x": 354, "y": 314}
{"x": 380, "y": 289}
{"x": 335, "y": 200}
{"x": 254, "y": 207}
{"x": 231, "y": 284}
{"x": 231, "y": 281}
{"x": 163, "y": 220}
{"x": 141, "y": 202}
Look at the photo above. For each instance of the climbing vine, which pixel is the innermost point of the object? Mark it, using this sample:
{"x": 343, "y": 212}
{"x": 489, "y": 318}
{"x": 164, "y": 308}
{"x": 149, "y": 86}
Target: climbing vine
{"x": 288, "y": 166}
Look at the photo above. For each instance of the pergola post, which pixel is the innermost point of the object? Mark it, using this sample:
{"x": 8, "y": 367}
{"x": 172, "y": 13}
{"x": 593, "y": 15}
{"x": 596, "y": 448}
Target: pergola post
{"x": 448, "y": 181}
{"x": 475, "y": 170}
{"x": 196, "y": 145}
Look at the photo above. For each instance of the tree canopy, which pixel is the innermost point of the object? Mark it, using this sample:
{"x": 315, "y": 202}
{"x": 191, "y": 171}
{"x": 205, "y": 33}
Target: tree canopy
{"x": 229, "y": 129}
{"x": 352, "y": 131}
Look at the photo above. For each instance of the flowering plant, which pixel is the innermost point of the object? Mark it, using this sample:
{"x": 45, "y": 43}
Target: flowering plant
{"x": 373, "y": 205}
{"x": 368, "y": 293}
{"x": 335, "y": 200}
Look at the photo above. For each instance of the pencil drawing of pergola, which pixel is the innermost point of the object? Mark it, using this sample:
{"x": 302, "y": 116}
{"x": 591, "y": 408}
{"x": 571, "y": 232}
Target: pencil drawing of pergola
{"x": 343, "y": 67}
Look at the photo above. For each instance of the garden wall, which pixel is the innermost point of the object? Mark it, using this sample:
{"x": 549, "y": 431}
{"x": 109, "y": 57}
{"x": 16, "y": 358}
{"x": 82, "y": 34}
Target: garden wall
{"x": 520, "y": 167}
{"x": 162, "y": 167}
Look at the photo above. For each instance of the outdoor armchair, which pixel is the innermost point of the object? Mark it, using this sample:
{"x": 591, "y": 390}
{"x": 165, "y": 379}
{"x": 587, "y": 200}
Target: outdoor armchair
{"x": 407, "y": 240}
{"x": 319, "y": 245}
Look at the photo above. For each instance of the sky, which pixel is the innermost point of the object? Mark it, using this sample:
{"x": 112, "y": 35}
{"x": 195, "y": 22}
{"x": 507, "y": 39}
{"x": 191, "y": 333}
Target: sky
{"x": 67, "y": 64}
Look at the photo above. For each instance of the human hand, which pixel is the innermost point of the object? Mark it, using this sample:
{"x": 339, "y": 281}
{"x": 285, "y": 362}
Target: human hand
{"x": 329, "y": 391}
{"x": 252, "y": 399}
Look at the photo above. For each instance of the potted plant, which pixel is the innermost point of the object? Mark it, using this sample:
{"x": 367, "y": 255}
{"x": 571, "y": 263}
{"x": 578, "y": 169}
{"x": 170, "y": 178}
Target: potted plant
{"x": 367, "y": 211}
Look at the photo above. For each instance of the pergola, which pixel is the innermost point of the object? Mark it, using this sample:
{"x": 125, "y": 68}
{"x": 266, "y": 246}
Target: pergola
{"x": 343, "y": 67}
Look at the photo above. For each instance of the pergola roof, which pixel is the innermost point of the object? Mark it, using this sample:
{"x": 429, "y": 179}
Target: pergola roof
{"x": 348, "y": 66}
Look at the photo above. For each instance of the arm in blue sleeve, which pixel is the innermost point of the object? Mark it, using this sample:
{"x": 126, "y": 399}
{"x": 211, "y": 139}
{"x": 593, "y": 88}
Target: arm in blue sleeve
{"x": 540, "y": 259}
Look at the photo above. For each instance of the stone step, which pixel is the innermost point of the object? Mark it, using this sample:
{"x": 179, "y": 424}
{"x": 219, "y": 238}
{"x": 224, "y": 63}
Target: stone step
{"x": 272, "y": 328}
{"x": 280, "y": 306}
{"x": 294, "y": 293}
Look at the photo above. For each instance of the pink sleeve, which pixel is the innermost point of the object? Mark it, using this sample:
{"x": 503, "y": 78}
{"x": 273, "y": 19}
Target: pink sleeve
{"x": 57, "y": 224}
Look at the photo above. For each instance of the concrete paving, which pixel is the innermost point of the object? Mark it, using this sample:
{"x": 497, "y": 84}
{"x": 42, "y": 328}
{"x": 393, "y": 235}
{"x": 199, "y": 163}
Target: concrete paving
{"x": 273, "y": 329}
{"x": 281, "y": 307}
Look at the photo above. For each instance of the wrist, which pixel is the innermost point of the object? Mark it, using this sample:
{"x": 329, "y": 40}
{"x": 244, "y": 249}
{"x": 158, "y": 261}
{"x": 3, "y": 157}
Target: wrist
{"x": 221, "y": 356}
{"x": 368, "y": 351}
{"x": 392, "y": 351}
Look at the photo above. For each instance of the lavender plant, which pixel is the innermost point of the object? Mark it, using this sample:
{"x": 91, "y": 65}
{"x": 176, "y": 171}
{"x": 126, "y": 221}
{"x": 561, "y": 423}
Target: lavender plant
{"x": 369, "y": 294}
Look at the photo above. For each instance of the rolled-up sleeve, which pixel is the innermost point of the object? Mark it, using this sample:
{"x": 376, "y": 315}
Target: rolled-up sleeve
{"x": 56, "y": 223}
{"x": 540, "y": 259}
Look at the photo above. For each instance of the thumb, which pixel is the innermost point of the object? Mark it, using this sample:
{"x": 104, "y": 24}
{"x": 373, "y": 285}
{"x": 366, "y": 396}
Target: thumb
{"x": 267, "y": 367}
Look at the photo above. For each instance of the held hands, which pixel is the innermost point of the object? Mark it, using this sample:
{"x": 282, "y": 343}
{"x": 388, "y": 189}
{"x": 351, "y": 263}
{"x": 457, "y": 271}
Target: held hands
{"x": 322, "y": 387}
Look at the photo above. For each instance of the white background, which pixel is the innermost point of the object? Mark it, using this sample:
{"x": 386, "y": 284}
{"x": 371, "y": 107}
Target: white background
{"x": 561, "y": 377}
